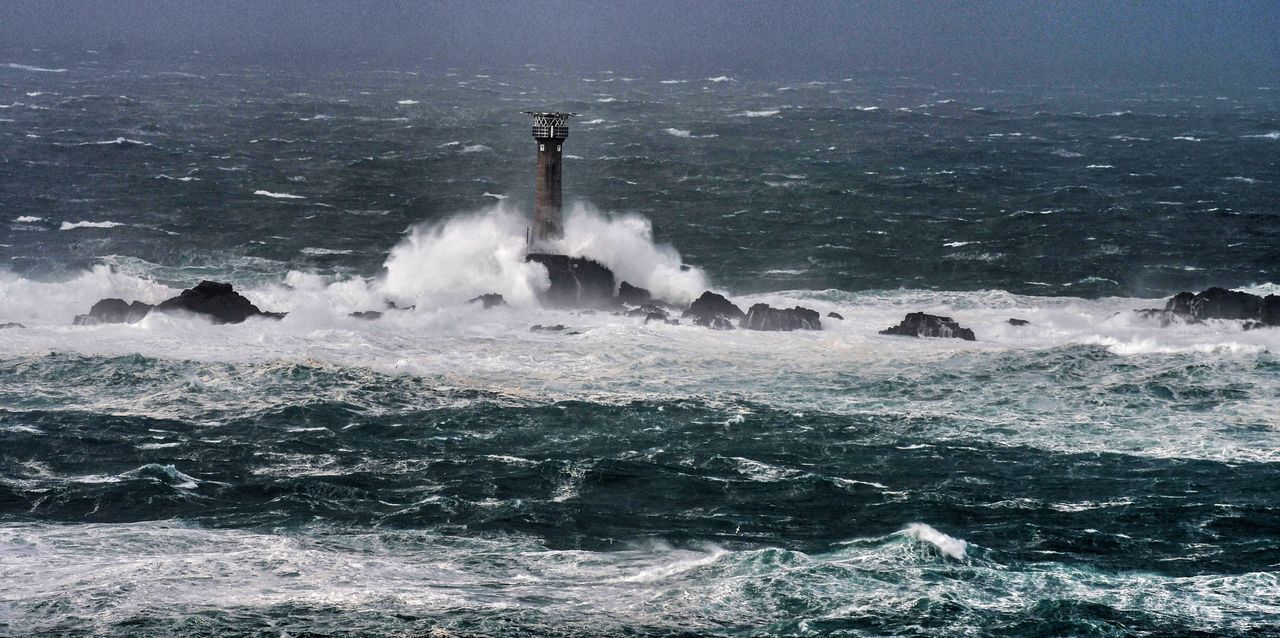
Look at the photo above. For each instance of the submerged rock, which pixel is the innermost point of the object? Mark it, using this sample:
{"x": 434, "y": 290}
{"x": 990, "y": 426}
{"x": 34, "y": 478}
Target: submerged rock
{"x": 714, "y": 311}
{"x": 541, "y": 328}
{"x": 4, "y": 326}
{"x": 367, "y": 315}
{"x": 763, "y": 317}
{"x": 1018, "y": 322}
{"x": 835, "y": 315}
{"x": 576, "y": 282}
{"x": 113, "y": 310}
{"x": 919, "y": 324}
{"x": 489, "y": 300}
{"x": 213, "y": 299}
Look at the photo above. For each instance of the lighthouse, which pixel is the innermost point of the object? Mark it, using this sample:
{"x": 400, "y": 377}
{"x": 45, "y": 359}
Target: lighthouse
{"x": 550, "y": 128}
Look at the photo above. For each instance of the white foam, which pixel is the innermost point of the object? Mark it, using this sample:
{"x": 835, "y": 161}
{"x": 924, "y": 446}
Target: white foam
{"x": 595, "y": 121}
{"x": 721, "y": 78}
{"x": 1273, "y": 135}
{"x": 406, "y": 102}
{"x": 1187, "y": 138}
{"x": 278, "y": 195}
{"x": 672, "y": 81}
{"x": 676, "y": 132}
{"x": 27, "y": 219}
{"x": 473, "y": 148}
{"x": 494, "y": 195}
{"x": 948, "y": 545}
{"x": 34, "y": 69}
{"x": 320, "y": 252}
{"x": 84, "y": 224}
{"x": 763, "y": 113}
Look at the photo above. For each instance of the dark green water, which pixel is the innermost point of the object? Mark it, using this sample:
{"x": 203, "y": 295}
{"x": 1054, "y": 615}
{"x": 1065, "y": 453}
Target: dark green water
{"x": 446, "y": 472}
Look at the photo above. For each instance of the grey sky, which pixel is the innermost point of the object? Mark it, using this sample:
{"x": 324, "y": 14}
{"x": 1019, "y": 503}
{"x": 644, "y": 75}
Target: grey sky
{"x": 1150, "y": 40}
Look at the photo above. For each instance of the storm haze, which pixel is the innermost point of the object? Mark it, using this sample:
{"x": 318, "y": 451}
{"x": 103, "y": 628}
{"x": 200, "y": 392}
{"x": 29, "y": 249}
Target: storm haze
{"x": 1015, "y": 41}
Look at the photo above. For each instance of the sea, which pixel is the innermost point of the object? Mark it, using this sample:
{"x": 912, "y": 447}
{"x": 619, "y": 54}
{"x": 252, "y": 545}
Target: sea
{"x": 446, "y": 471}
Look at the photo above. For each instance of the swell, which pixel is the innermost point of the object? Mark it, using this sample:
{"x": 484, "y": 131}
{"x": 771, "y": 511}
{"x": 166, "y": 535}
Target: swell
{"x": 590, "y": 476}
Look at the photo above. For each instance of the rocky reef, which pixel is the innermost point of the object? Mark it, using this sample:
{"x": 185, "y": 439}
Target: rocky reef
{"x": 919, "y": 324}
{"x": 214, "y": 300}
{"x": 763, "y": 317}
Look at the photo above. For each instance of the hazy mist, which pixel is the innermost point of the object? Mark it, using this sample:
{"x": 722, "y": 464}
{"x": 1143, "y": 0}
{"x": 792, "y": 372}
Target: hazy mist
{"x": 1232, "y": 41}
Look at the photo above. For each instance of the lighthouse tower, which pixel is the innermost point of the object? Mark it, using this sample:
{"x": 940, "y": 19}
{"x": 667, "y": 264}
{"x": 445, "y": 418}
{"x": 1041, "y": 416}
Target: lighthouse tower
{"x": 550, "y": 128}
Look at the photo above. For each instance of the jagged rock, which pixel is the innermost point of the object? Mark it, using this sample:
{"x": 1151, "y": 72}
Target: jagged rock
{"x": 113, "y": 311}
{"x": 919, "y": 324}
{"x": 367, "y": 315}
{"x": 1271, "y": 310}
{"x": 1018, "y": 322}
{"x": 4, "y": 326}
{"x": 646, "y": 310}
{"x": 489, "y": 300}
{"x": 763, "y": 317}
{"x": 835, "y": 315}
{"x": 216, "y": 300}
{"x": 661, "y": 316}
{"x": 714, "y": 311}
{"x": 576, "y": 282}
{"x": 541, "y": 328}
{"x": 1218, "y": 303}
{"x": 633, "y": 295}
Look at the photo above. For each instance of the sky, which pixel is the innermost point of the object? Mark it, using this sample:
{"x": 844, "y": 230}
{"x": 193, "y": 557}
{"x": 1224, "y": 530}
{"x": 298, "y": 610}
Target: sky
{"x": 1121, "y": 39}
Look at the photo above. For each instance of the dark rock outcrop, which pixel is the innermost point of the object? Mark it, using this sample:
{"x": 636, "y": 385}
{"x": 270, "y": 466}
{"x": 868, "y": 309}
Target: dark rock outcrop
{"x": 367, "y": 315}
{"x": 1018, "y": 322}
{"x": 763, "y": 317}
{"x": 1218, "y": 303}
{"x": 835, "y": 315}
{"x": 541, "y": 328}
{"x": 576, "y": 282}
{"x": 489, "y": 300}
{"x": 4, "y": 326}
{"x": 113, "y": 311}
{"x": 633, "y": 295}
{"x": 714, "y": 311}
{"x": 214, "y": 300}
{"x": 919, "y": 324}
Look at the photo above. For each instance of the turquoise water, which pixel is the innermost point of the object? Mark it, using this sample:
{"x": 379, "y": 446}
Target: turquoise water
{"x": 445, "y": 471}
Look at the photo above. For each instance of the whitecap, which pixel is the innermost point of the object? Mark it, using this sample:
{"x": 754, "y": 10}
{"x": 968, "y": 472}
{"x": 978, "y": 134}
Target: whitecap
{"x": 473, "y": 148}
{"x": 721, "y": 78}
{"x": 948, "y": 545}
{"x": 867, "y": 109}
{"x": 677, "y": 132}
{"x": 1242, "y": 180}
{"x": 1062, "y": 152}
{"x": 595, "y": 121}
{"x": 35, "y": 69}
{"x": 406, "y": 102}
{"x": 494, "y": 195}
{"x": 1273, "y": 135}
{"x": 606, "y": 100}
{"x": 84, "y": 224}
{"x": 764, "y": 113}
{"x": 1099, "y": 166}
{"x": 1187, "y": 138}
{"x": 672, "y": 81}
{"x": 320, "y": 252}
{"x": 278, "y": 195}
{"x": 187, "y": 178}
{"x": 119, "y": 141}
{"x": 27, "y": 219}
{"x": 957, "y": 244}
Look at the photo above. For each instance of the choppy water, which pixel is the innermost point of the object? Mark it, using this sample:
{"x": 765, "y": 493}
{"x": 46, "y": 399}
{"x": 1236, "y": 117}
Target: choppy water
{"x": 447, "y": 472}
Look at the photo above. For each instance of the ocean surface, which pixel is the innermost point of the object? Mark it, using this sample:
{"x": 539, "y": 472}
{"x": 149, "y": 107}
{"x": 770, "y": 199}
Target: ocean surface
{"x": 446, "y": 472}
